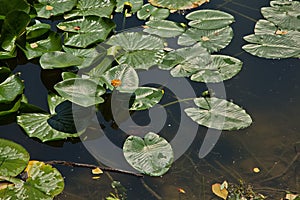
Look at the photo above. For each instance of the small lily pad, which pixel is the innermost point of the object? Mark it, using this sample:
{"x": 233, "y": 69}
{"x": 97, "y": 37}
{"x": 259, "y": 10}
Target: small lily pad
{"x": 10, "y": 88}
{"x": 146, "y": 97}
{"x": 152, "y": 12}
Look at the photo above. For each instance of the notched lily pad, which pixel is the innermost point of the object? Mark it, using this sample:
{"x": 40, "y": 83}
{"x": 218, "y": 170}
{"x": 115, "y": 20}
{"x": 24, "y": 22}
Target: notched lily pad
{"x": 152, "y": 155}
{"x": 10, "y": 88}
{"x": 49, "y": 8}
{"x": 178, "y": 4}
{"x": 146, "y": 97}
{"x": 152, "y": 12}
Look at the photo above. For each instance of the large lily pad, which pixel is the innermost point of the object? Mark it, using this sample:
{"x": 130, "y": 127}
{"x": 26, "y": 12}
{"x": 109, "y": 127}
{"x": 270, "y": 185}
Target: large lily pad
{"x": 59, "y": 59}
{"x": 101, "y": 8}
{"x": 14, "y": 158}
{"x": 10, "y": 89}
{"x": 218, "y": 114}
{"x": 7, "y": 6}
{"x": 146, "y": 97}
{"x": 212, "y": 40}
{"x": 122, "y": 77}
{"x": 85, "y": 31}
{"x": 83, "y": 92}
{"x": 152, "y": 155}
{"x": 164, "y": 28}
{"x": 177, "y": 4}
{"x": 209, "y": 19}
{"x": 152, "y": 12}
{"x": 43, "y": 182}
{"x": 49, "y": 8}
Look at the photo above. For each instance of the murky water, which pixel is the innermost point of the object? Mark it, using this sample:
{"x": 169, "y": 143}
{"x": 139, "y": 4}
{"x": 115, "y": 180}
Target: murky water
{"x": 267, "y": 89}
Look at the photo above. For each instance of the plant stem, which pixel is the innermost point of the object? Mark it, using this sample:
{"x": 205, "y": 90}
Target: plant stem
{"x": 91, "y": 166}
{"x": 178, "y": 101}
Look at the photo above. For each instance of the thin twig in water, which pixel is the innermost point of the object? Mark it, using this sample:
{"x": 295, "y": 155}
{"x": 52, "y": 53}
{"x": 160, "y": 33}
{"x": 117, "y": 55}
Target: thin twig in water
{"x": 91, "y": 166}
{"x": 151, "y": 190}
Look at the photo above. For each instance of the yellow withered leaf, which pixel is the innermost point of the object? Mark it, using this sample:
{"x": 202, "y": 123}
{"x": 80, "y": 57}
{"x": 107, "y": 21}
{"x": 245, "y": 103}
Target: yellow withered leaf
{"x": 49, "y": 7}
{"x": 216, "y": 189}
{"x": 97, "y": 171}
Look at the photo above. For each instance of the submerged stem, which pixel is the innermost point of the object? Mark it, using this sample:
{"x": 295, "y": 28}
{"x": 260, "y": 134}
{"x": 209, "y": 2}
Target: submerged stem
{"x": 178, "y": 101}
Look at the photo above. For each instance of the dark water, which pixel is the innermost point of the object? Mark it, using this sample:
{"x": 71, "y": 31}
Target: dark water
{"x": 267, "y": 89}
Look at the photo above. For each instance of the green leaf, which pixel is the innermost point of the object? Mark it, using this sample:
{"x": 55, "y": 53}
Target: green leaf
{"x": 127, "y": 76}
{"x": 86, "y": 31}
{"x": 83, "y": 92}
{"x": 212, "y": 40}
{"x": 37, "y": 30}
{"x": 154, "y": 13}
{"x": 222, "y": 68}
{"x": 10, "y": 89}
{"x": 146, "y": 97}
{"x": 218, "y": 114}
{"x": 14, "y": 158}
{"x": 101, "y": 8}
{"x": 59, "y": 59}
{"x": 8, "y": 54}
{"x": 164, "y": 28}
{"x": 7, "y": 6}
{"x": 177, "y": 4}
{"x": 135, "y": 5}
{"x": 274, "y": 46}
{"x": 209, "y": 19}
{"x": 152, "y": 155}
{"x": 53, "y": 101}
{"x": 264, "y": 27}
{"x": 8, "y": 110}
{"x": 13, "y": 27}
{"x": 48, "y": 8}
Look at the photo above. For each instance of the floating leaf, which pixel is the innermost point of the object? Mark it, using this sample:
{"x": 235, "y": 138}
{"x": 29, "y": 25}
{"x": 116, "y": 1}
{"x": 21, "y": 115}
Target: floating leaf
{"x": 7, "y": 6}
{"x": 222, "y": 193}
{"x": 146, "y": 97}
{"x": 154, "y": 13}
{"x": 209, "y": 19}
{"x": 59, "y": 59}
{"x": 134, "y": 4}
{"x": 264, "y": 27}
{"x": 83, "y": 92}
{"x": 49, "y": 8}
{"x": 218, "y": 114}
{"x": 177, "y": 4}
{"x": 37, "y": 30}
{"x": 86, "y": 31}
{"x": 212, "y": 40}
{"x": 10, "y": 88}
{"x": 101, "y": 8}
{"x": 14, "y": 158}
{"x": 164, "y": 28}
{"x": 127, "y": 76}
{"x": 152, "y": 155}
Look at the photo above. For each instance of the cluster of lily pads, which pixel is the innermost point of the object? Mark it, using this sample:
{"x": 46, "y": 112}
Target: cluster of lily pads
{"x": 278, "y": 35}
{"x": 73, "y": 45}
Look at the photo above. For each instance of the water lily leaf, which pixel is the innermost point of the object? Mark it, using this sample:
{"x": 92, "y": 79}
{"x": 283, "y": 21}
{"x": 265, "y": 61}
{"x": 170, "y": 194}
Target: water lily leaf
{"x": 53, "y": 101}
{"x": 274, "y": 46}
{"x": 83, "y": 92}
{"x": 40, "y": 47}
{"x": 10, "y": 89}
{"x": 37, "y": 30}
{"x": 164, "y": 28}
{"x": 14, "y": 26}
{"x": 134, "y": 5}
{"x": 43, "y": 182}
{"x": 177, "y": 4}
{"x": 212, "y": 40}
{"x": 49, "y": 8}
{"x": 285, "y": 16}
{"x": 218, "y": 114}
{"x": 7, "y": 6}
{"x": 59, "y": 59}
{"x": 8, "y": 54}
{"x": 264, "y": 27}
{"x": 102, "y": 8}
{"x": 86, "y": 31}
{"x": 124, "y": 75}
{"x": 146, "y": 97}
{"x": 222, "y": 68}
{"x": 153, "y": 13}
{"x": 152, "y": 155}
{"x": 14, "y": 158}
{"x": 209, "y": 19}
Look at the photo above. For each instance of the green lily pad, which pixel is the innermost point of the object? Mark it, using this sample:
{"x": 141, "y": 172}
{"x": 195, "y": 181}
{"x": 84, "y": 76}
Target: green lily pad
{"x": 209, "y": 19}
{"x": 86, "y": 31}
{"x": 212, "y": 40}
{"x": 7, "y": 6}
{"x": 218, "y": 114}
{"x": 153, "y": 13}
{"x": 43, "y": 182}
{"x": 264, "y": 27}
{"x": 53, "y": 101}
{"x": 164, "y": 28}
{"x": 177, "y": 4}
{"x": 49, "y": 8}
{"x": 10, "y": 89}
{"x": 59, "y": 59}
{"x": 140, "y": 50}
{"x": 152, "y": 155}
{"x": 146, "y": 97}
{"x": 101, "y": 8}
{"x": 14, "y": 158}
{"x": 135, "y": 5}
{"x": 125, "y": 76}
{"x": 83, "y": 92}
{"x": 13, "y": 27}
{"x": 37, "y": 30}
{"x": 8, "y": 54}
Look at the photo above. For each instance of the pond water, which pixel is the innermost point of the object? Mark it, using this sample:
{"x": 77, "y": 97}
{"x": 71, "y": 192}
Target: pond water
{"x": 267, "y": 89}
